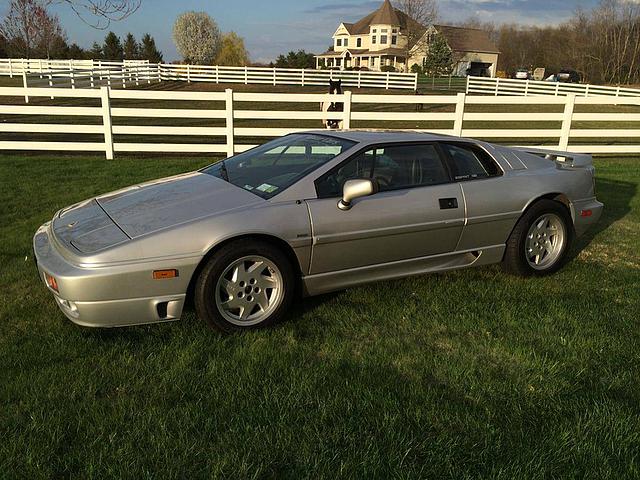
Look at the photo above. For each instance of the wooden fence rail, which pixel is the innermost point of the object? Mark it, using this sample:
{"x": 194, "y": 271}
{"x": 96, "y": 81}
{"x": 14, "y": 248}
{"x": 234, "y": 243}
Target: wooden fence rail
{"x": 532, "y": 88}
{"x": 67, "y": 71}
{"x": 234, "y": 117}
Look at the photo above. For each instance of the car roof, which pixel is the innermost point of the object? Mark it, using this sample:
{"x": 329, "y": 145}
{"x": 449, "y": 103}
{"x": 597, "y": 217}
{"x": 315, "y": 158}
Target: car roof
{"x": 383, "y": 136}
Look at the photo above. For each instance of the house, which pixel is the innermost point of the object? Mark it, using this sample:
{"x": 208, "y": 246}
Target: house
{"x": 381, "y": 39}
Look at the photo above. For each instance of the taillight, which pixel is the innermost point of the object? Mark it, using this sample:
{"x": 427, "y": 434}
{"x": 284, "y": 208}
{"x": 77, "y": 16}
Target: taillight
{"x": 51, "y": 282}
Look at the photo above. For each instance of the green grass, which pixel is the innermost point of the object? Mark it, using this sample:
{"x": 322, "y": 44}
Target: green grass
{"x": 469, "y": 374}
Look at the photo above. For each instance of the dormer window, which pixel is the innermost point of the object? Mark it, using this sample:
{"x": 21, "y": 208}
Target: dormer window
{"x": 394, "y": 39}
{"x": 373, "y": 39}
{"x": 373, "y": 30}
{"x": 358, "y": 42}
{"x": 339, "y": 42}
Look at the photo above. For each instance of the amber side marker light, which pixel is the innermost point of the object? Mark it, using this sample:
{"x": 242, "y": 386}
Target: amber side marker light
{"x": 162, "y": 274}
{"x": 52, "y": 282}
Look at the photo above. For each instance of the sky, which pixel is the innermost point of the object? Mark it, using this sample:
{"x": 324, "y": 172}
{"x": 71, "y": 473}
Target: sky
{"x": 271, "y": 27}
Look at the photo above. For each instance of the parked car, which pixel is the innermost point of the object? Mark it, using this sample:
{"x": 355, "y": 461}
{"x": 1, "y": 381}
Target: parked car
{"x": 568, "y": 76}
{"x": 522, "y": 74}
{"x": 315, "y": 212}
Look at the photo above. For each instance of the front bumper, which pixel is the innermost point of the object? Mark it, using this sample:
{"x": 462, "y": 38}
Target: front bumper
{"x": 112, "y": 296}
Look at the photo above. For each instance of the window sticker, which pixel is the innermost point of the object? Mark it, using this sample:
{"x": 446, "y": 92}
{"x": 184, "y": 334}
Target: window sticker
{"x": 266, "y": 188}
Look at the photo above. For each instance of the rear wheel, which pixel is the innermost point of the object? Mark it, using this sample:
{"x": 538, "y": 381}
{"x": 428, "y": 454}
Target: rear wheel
{"x": 246, "y": 284}
{"x": 540, "y": 242}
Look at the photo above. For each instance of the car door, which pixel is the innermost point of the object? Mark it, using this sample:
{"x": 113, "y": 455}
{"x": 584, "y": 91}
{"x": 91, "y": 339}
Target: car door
{"x": 489, "y": 195}
{"x": 418, "y": 211}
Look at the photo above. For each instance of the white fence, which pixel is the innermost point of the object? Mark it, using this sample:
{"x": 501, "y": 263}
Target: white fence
{"x": 17, "y": 66}
{"x": 227, "y": 128}
{"x": 66, "y": 73}
{"x": 526, "y": 88}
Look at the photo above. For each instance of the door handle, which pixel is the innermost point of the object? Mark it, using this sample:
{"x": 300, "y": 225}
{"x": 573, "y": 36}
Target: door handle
{"x": 448, "y": 203}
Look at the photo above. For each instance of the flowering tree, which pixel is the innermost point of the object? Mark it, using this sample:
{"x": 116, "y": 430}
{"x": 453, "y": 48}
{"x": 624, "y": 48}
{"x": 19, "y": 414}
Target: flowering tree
{"x": 28, "y": 26}
{"x": 197, "y": 37}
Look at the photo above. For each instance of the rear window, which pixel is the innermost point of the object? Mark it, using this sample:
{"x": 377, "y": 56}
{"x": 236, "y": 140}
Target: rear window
{"x": 469, "y": 163}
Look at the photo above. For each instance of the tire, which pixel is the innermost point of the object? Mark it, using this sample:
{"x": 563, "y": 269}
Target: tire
{"x": 540, "y": 242}
{"x": 247, "y": 284}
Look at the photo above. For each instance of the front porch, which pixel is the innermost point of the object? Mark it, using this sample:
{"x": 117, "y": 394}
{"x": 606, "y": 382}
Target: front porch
{"x": 370, "y": 60}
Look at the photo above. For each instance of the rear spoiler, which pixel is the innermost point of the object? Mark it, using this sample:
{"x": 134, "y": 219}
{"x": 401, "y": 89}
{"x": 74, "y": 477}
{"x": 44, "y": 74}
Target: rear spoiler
{"x": 568, "y": 159}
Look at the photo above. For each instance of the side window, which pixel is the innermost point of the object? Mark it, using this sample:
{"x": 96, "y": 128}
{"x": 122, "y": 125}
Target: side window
{"x": 394, "y": 167}
{"x": 468, "y": 163}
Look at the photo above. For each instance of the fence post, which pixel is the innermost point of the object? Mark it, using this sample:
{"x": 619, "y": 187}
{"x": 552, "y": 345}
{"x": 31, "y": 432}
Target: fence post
{"x": 275, "y": 81}
{"x": 123, "y": 75}
{"x": 229, "y": 122}
{"x": 51, "y": 83}
{"x": 468, "y": 81}
{"x": 246, "y": 75}
{"x": 415, "y": 81}
{"x": 618, "y": 91}
{"x": 188, "y": 73}
{"x": 40, "y": 66}
{"x": 347, "y": 110}
{"x": 557, "y": 88}
{"x": 25, "y": 85}
{"x": 10, "y": 68}
{"x": 73, "y": 80}
{"x": 359, "y": 78}
{"x": 457, "y": 124}
{"x": 106, "y": 122}
{"x": 586, "y": 91}
{"x": 567, "y": 118}
{"x": 526, "y": 88}
{"x": 497, "y": 86}
{"x": 303, "y": 77}
{"x": 387, "y": 81}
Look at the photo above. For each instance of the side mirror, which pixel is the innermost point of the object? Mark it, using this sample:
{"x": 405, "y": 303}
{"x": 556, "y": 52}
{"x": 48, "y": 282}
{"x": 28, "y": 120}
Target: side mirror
{"x": 361, "y": 187}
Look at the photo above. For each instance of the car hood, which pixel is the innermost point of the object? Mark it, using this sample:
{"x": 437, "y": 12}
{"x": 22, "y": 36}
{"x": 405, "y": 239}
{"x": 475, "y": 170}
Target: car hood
{"x": 153, "y": 206}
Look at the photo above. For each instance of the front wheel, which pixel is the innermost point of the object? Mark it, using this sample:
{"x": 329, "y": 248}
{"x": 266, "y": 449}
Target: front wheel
{"x": 246, "y": 284}
{"x": 540, "y": 241}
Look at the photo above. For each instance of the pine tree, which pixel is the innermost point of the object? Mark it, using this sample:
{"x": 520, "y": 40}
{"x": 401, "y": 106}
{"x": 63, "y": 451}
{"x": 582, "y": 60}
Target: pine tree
{"x": 96, "y": 51}
{"x": 112, "y": 48}
{"x": 131, "y": 47}
{"x": 439, "y": 58}
{"x": 149, "y": 51}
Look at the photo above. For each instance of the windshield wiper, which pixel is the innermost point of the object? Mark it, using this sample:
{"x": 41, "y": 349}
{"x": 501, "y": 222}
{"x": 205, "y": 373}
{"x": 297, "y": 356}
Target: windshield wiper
{"x": 224, "y": 171}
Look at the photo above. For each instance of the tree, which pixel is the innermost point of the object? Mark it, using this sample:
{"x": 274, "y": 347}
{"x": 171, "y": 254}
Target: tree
{"x": 112, "y": 48}
{"x": 96, "y": 51}
{"x": 299, "y": 59}
{"x": 439, "y": 58}
{"x": 22, "y": 27}
{"x": 100, "y": 13}
{"x": 420, "y": 14}
{"x": 131, "y": 48}
{"x": 52, "y": 38}
{"x": 75, "y": 51}
{"x": 197, "y": 37}
{"x": 232, "y": 51}
{"x": 149, "y": 51}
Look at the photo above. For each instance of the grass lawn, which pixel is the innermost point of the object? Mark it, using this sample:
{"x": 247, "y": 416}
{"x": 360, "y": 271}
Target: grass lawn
{"x": 469, "y": 374}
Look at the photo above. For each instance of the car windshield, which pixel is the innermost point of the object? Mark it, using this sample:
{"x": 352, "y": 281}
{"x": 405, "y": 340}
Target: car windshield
{"x": 271, "y": 168}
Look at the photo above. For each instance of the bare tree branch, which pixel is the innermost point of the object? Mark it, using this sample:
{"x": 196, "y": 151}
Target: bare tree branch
{"x": 100, "y": 13}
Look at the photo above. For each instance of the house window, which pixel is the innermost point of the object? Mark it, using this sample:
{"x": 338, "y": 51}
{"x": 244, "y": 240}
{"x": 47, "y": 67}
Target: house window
{"x": 345, "y": 42}
{"x": 394, "y": 39}
{"x": 384, "y": 39}
{"x": 373, "y": 39}
{"x": 395, "y": 30}
{"x": 358, "y": 42}
{"x": 339, "y": 42}
{"x": 373, "y": 31}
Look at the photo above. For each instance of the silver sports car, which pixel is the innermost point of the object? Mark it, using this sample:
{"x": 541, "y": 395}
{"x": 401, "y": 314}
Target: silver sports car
{"x": 311, "y": 212}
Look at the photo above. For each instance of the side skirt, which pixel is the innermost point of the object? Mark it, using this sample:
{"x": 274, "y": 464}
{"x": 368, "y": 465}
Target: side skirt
{"x": 330, "y": 281}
